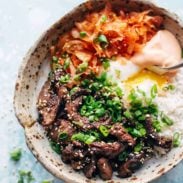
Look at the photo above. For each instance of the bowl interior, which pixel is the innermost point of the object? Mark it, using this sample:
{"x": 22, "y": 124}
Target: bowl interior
{"x": 34, "y": 71}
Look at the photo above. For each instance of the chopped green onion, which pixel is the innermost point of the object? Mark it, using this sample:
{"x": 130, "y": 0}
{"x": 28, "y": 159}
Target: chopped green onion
{"x": 154, "y": 91}
{"x": 64, "y": 79}
{"x": 90, "y": 139}
{"x": 67, "y": 63}
{"x": 73, "y": 90}
{"x": 123, "y": 156}
{"x": 16, "y": 154}
{"x": 118, "y": 91}
{"x": 63, "y": 136}
{"x": 54, "y": 59}
{"x": 104, "y": 130}
{"x": 25, "y": 176}
{"x": 82, "y": 34}
{"x": 138, "y": 113}
{"x": 176, "y": 139}
{"x": 118, "y": 73}
{"x": 169, "y": 87}
{"x": 86, "y": 138}
{"x": 77, "y": 77}
{"x": 103, "y": 19}
{"x": 128, "y": 114}
{"x": 82, "y": 67}
{"x": 138, "y": 147}
{"x": 132, "y": 96}
{"x": 142, "y": 132}
{"x": 56, "y": 66}
{"x": 137, "y": 132}
{"x": 106, "y": 63}
{"x": 102, "y": 40}
{"x": 165, "y": 119}
{"x": 157, "y": 125}
{"x": 92, "y": 118}
{"x": 100, "y": 112}
{"x": 47, "y": 181}
{"x": 56, "y": 147}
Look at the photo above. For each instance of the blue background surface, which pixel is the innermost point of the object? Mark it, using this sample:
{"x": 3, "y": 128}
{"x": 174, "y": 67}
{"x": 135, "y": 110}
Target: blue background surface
{"x": 21, "y": 23}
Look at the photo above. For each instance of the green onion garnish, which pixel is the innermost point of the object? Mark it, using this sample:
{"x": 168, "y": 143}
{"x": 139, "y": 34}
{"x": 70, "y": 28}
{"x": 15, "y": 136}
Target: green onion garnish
{"x": 63, "y": 136}
{"x": 64, "y": 79}
{"x": 82, "y": 34}
{"x": 86, "y": 138}
{"x": 47, "y": 181}
{"x": 104, "y": 130}
{"x": 138, "y": 147}
{"x": 176, "y": 139}
{"x": 25, "y": 176}
{"x": 54, "y": 59}
{"x": 102, "y": 40}
{"x": 122, "y": 156}
{"x": 82, "y": 67}
{"x": 16, "y": 154}
{"x": 169, "y": 87}
{"x": 165, "y": 119}
{"x": 154, "y": 91}
{"x": 67, "y": 63}
{"x": 103, "y": 19}
{"x": 56, "y": 147}
{"x": 128, "y": 114}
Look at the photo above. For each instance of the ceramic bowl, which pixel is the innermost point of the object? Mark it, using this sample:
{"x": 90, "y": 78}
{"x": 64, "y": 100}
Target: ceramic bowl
{"x": 33, "y": 73}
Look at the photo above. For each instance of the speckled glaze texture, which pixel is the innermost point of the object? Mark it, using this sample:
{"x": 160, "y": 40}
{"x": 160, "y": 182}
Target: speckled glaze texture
{"x": 33, "y": 73}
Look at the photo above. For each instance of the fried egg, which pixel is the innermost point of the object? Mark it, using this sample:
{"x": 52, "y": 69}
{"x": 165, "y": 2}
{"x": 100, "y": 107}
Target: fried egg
{"x": 130, "y": 76}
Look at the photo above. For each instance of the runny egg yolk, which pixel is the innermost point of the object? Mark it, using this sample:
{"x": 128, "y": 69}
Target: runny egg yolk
{"x": 147, "y": 78}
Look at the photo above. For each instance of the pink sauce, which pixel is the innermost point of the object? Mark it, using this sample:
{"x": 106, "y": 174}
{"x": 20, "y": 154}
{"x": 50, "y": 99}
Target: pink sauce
{"x": 163, "y": 50}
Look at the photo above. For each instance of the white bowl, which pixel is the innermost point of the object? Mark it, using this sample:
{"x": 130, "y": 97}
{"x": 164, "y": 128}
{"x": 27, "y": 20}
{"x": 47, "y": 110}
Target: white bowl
{"x": 33, "y": 73}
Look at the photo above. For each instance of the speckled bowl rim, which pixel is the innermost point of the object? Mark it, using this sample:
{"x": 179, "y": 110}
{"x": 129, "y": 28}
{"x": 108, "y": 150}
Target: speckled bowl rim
{"x": 19, "y": 81}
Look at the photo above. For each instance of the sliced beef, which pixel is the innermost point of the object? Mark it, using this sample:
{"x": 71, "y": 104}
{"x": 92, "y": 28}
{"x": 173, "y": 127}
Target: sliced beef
{"x": 160, "y": 141}
{"x": 80, "y": 92}
{"x": 48, "y": 104}
{"x": 67, "y": 153}
{"x": 105, "y": 169}
{"x": 77, "y": 164}
{"x": 90, "y": 168}
{"x": 73, "y": 114}
{"x": 78, "y": 144}
{"x": 59, "y": 88}
{"x": 63, "y": 93}
{"x": 63, "y": 126}
{"x": 122, "y": 135}
{"x": 74, "y": 152}
{"x": 134, "y": 162}
{"x": 109, "y": 150}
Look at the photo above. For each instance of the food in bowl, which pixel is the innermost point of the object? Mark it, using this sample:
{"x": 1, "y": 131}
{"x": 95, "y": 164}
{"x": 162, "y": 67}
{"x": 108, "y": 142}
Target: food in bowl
{"x": 100, "y": 105}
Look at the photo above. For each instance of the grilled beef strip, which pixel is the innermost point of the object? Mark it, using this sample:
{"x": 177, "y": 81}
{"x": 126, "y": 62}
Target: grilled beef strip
{"x": 48, "y": 104}
{"x": 160, "y": 141}
{"x": 105, "y": 169}
{"x": 122, "y": 135}
{"x": 134, "y": 162}
{"x": 90, "y": 168}
{"x": 109, "y": 150}
{"x": 63, "y": 126}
